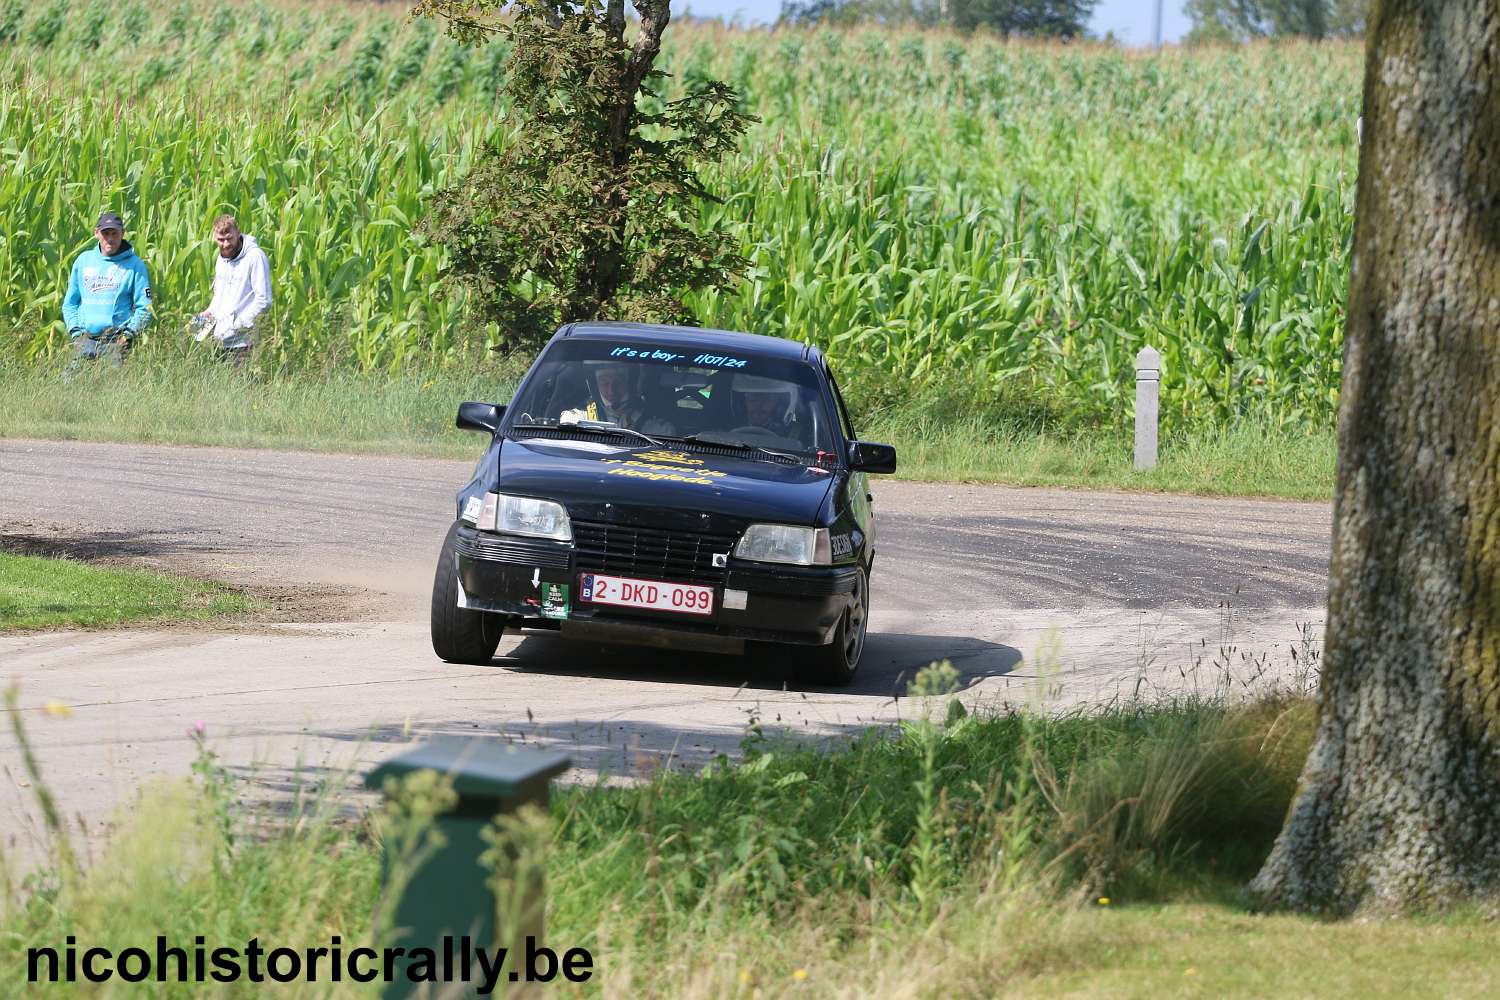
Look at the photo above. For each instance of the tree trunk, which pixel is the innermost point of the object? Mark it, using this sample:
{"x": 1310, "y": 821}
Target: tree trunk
{"x": 610, "y": 266}
{"x": 1399, "y": 804}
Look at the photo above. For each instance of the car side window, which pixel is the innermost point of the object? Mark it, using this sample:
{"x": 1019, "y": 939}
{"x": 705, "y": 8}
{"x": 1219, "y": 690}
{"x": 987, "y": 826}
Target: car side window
{"x": 843, "y": 410}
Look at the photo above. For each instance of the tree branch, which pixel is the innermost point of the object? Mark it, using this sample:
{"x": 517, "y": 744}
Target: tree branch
{"x": 614, "y": 19}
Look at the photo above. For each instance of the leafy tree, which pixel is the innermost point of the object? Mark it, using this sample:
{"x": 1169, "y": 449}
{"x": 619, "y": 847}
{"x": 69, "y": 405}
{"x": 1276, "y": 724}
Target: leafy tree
{"x": 1399, "y": 802}
{"x": 829, "y": 12}
{"x": 1242, "y": 20}
{"x": 587, "y": 207}
{"x": 1346, "y": 18}
{"x": 1035, "y": 18}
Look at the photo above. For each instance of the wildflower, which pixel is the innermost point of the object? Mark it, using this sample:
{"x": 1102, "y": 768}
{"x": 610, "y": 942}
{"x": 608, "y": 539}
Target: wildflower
{"x": 1103, "y": 900}
{"x": 57, "y": 710}
{"x": 799, "y": 974}
{"x": 744, "y": 975}
{"x": 425, "y": 386}
{"x": 1190, "y": 971}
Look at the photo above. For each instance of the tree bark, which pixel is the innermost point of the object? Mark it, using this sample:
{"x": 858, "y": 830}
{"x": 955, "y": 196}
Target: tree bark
{"x": 607, "y": 268}
{"x": 1399, "y": 802}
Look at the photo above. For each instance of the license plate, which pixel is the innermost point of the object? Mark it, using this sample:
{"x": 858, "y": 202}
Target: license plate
{"x": 627, "y": 593}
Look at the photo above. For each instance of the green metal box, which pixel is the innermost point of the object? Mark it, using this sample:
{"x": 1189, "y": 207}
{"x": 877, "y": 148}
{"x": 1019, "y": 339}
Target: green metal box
{"x": 446, "y": 890}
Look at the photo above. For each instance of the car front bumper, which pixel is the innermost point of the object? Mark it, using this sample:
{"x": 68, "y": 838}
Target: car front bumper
{"x": 507, "y": 574}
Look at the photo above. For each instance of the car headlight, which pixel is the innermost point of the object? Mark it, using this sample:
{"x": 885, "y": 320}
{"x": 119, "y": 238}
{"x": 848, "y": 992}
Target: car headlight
{"x": 525, "y": 516}
{"x": 785, "y": 543}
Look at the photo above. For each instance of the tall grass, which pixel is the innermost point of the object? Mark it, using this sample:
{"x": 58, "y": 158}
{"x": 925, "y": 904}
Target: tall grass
{"x": 167, "y": 397}
{"x": 917, "y": 203}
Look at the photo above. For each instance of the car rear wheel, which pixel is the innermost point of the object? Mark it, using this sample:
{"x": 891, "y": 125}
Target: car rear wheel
{"x": 836, "y": 663}
{"x": 458, "y": 634}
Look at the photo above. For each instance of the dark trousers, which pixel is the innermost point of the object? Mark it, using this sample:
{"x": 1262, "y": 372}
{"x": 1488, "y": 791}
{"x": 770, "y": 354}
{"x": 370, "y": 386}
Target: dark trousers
{"x": 236, "y": 357}
{"x": 234, "y": 349}
{"x": 113, "y": 349}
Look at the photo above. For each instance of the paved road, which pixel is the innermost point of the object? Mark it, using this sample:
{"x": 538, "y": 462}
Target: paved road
{"x": 1033, "y": 594}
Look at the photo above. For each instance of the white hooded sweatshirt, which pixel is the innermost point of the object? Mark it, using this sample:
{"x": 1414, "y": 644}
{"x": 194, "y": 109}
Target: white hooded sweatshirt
{"x": 242, "y": 290}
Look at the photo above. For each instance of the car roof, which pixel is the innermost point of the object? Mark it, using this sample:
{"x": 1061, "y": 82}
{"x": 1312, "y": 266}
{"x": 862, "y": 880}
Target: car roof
{"x": 691, "y": 336}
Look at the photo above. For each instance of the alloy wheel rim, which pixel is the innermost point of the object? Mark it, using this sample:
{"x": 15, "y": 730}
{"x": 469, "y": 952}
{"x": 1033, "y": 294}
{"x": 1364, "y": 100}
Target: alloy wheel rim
{"x": 855, "y": 624}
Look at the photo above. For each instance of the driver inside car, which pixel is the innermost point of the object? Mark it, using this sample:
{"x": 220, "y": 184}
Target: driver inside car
{"x": 615, "y": 399}
{"x": 619, "y": 403}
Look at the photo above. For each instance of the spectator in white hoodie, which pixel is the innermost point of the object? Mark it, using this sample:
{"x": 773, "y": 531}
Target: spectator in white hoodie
{"x": 242, "y": 292}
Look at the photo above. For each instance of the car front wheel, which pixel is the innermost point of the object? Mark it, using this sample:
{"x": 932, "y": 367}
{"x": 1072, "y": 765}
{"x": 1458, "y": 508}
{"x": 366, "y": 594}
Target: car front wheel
{"x": 836, "y": 663}
{"x": 460, "y": 635}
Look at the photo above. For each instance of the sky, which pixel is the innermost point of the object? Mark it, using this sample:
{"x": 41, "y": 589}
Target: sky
{"x": 1130, "y": 20}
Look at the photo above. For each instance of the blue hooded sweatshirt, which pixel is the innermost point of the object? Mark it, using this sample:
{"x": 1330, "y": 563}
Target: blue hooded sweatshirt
{"x": 108, "y": 291}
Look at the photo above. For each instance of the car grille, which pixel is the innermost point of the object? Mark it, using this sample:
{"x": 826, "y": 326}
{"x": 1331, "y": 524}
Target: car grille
{"x": 655, "y": 553}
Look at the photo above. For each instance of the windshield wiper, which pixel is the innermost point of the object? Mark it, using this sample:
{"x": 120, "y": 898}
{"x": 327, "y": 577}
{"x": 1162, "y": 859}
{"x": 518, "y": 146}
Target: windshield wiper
{"x": 598, "y": 426}
{"x": 718, "y": 442}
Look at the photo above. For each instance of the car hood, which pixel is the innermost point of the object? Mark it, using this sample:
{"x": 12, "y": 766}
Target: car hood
{"x": 579, "y": 473}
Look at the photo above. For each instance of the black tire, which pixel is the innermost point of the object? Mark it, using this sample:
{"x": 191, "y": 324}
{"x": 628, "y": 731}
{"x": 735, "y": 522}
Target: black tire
{"x": 836, "y": 663}
{"x": 458, "y": 634}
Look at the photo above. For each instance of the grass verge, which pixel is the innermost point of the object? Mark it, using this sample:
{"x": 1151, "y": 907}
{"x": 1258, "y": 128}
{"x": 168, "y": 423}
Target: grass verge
{"x": 1244, "y": 461}
{"x": 944, "y": 433}
{"x": 192, "y": 401}
{"x": 1096, "y": 854}
{"x": 38, "y": 593}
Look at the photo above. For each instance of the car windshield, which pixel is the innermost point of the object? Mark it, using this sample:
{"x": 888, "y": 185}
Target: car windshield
{"x": 736, "y": 399}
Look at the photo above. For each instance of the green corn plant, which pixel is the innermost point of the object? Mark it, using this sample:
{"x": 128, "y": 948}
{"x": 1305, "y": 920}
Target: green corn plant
{"x": 920, "y": 205}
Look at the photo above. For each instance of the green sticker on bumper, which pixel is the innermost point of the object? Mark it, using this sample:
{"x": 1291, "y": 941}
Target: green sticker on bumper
{"x": 554, "y": 600}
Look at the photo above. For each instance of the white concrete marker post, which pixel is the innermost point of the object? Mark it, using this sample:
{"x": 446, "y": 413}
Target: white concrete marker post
{"x": 1147, "y": 389}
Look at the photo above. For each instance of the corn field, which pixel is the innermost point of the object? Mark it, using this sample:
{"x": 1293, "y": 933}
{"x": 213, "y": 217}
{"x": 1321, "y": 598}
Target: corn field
{"x": 918, "y": 204}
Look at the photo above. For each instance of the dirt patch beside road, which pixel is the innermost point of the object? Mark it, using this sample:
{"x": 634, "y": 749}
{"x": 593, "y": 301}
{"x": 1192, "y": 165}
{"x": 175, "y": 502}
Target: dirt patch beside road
{"x": 279, "y": 603}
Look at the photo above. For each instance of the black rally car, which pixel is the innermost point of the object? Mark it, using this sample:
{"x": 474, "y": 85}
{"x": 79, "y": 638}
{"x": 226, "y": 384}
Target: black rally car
{"x": 666, "y": 486}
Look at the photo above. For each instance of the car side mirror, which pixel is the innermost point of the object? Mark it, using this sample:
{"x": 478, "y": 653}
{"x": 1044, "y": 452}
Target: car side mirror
{"x": 479, "y": 417}
{"x": 867, "y": 456}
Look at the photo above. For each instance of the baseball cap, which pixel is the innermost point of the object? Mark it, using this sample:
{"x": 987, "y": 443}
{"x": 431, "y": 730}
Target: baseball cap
{"x": 109, "y": 220}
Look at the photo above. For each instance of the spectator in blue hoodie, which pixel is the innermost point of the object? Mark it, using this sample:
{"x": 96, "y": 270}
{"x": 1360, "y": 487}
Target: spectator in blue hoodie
{"x": 109, "y": 296}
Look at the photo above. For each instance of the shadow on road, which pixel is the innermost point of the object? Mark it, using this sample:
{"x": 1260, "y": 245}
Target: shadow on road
{"x": 599, "y": 750}
{"x": 891, "y": 660}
